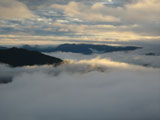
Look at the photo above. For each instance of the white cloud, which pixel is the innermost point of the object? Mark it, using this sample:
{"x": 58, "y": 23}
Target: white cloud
{"x": 144, "y": 14}
{"x": 142, "y": 11}
{"x": 13, "y": 9}
{"x": 118, "y": 93}
{"x": 136, "y": 57}
{"x": 80, "y": 21}
{"x": 85, "y": 12}
{"x": 71, "y": 66}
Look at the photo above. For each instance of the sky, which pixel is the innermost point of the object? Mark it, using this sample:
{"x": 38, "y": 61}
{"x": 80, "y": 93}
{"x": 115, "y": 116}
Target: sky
{"x": 108, "y": 86}
{"x": 61, "y": 21}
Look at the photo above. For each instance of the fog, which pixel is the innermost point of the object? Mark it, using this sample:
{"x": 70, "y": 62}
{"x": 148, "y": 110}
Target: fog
{"x": 83, "y": 88}
{"x": 136, "y": 57}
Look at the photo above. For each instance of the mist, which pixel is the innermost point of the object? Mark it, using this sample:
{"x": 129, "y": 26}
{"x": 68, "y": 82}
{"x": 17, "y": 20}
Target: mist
{"x": 92, "y": 88}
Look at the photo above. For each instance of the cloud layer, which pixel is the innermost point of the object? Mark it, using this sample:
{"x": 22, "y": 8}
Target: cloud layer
{"x": 33, "y": 22}
{"x": 13, "y": 9}
{"x": 81, "y": 91}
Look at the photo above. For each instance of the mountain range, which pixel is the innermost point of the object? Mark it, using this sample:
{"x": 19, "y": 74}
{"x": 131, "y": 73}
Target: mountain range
{"x": 31, "y": 55}
{"x": 16, "y": 57}
{"x": 78, "y": 48}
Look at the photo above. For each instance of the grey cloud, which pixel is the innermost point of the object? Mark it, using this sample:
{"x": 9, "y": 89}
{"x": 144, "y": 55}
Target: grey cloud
{"x": 137, "y": 57}
{"x": 118, "y": 94}
{"x": 47, "y": 2}
{"x": 125, "y": 20}
{"x": 74, "y": 64}
{"x": 128, "y": 15}
{"x": 69, "y": 67}
{"x": 124, "y": 2}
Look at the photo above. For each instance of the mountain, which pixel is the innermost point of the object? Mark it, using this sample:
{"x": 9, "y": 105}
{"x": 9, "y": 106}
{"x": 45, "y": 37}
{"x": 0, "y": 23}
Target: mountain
{"x": 21, "y": 57}
{"x": 81, "y": 48}
{"x": 5, "y": 80}
{"x": 90, "y": 48}
{"x": 151, "y": 54}
{"x": 1, "y": 47}
{"x": 39, "y": 48}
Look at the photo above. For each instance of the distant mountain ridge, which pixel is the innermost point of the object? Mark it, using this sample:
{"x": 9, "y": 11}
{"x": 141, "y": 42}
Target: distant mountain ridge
{"x": 79, "y": 48}
{"x": 91, "y": 48}
{"x": 16, "y": 57}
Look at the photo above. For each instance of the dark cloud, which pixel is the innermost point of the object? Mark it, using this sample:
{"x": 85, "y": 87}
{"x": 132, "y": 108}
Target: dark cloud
{"x": 42, "y": 2}
{"x": 123, "y": 2}
{"x": 39, "y": 4}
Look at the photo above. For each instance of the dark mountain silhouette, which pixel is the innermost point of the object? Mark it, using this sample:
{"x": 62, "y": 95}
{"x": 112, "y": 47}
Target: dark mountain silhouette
{"x": 151, "y": 54}
{"x": 78, "y": 48}
{"x": 81, "y": 48}
{"x": 5, "y": 80}
{"x": 21, "y": 57}
{"x": 38, "y": 48}
{"x": 89, "y": 49}
{"x": 1, "y": 47}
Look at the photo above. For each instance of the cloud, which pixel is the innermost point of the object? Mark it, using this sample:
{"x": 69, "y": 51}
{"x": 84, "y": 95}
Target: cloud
{"x": 133, "y": 12}
{"x": 70, "y": 66}
{"x": 13, "y": 9}
{"x": 149, "y": 8}
{"x": 136, "y": 57}
{"x": 121, "y": 92}
{"x": 75, "y": 63}
{"x": 85, "y": 12}
{"x": 74, "y": 21}
{"x": 105, "y": 32}
{"x": 36, "y": 3}
{"x": 142, "y": 14}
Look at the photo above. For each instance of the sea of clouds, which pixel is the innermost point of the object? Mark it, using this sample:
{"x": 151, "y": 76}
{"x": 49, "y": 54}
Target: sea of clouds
{"x": 82, "y": 88}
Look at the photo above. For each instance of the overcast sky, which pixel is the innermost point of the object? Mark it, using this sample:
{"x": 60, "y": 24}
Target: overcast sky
{"x": 55, "y": 21}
